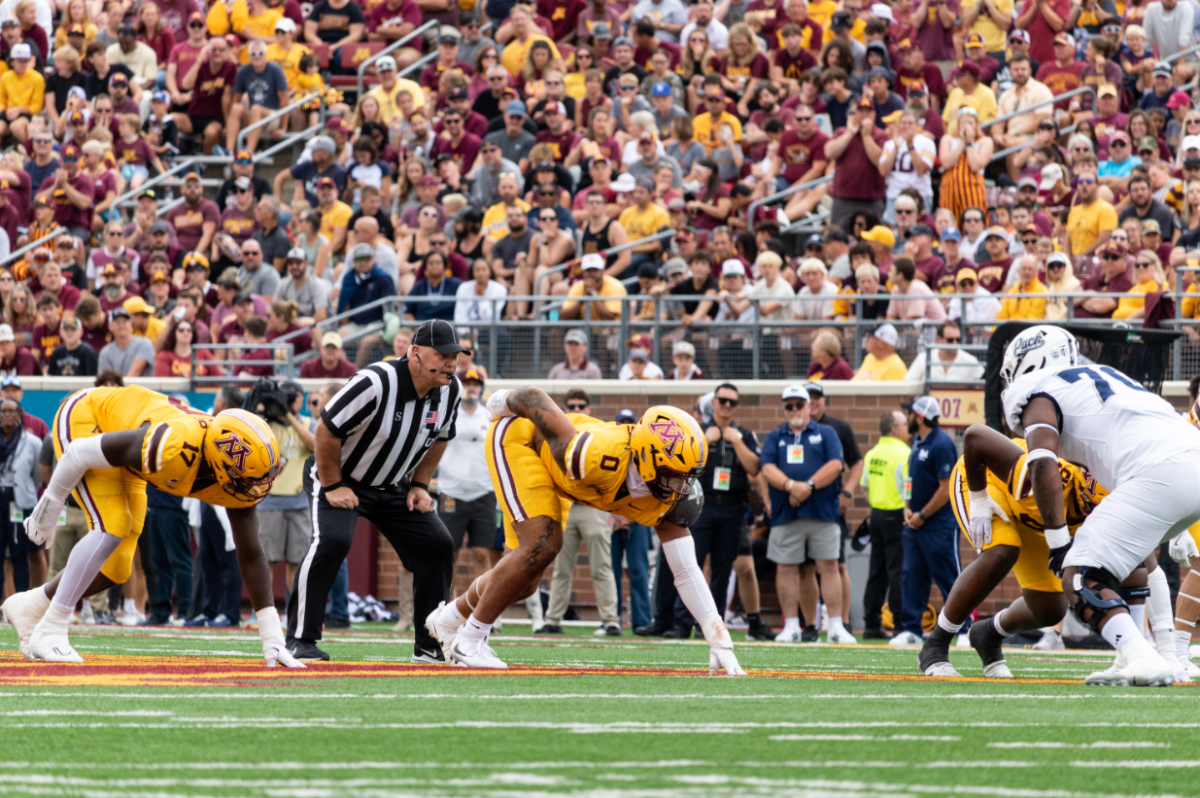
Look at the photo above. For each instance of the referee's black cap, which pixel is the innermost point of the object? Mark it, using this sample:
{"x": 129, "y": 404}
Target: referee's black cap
{"x": 439, "y": 335}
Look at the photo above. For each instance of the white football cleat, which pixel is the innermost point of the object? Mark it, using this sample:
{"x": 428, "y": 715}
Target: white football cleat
{"x": 963, "y": 641}
{"x": 842, "y": 636}
{"x": 1150, "y": 670}
{"x": 997, "y": 670}
{"x": 789, "y": 636}
{"x": 443, "y": 633}
{"x": 51, "y": 646}
{"x": 904, "y": 639}
{"x": 23, "y": 611}
{"x": 474, "y": 652}
{"x": 1051, "y": 641}
{"x": 1111, "y": 676}
{"x": 942, "y": 669}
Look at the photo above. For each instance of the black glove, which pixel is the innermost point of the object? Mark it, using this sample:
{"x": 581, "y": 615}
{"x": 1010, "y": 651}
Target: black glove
{"x": 1057, "y": 556}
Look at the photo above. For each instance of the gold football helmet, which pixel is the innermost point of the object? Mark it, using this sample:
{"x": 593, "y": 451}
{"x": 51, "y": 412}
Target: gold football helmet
{"x": 669, "y": 450}
{"x": 243, "y": 454}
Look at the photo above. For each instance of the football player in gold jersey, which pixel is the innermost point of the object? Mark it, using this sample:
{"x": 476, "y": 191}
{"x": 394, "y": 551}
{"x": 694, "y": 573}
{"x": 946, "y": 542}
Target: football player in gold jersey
{"x": 110, "y": 442}
{"x": 540, "y": 458}
{"x": 992, "y": 479}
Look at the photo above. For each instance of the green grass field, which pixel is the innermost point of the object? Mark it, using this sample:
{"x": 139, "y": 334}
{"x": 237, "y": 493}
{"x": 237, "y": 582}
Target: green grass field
{"x": 166, "y": 713}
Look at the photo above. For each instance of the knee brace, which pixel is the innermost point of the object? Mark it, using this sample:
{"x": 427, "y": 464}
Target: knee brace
{"x": 1089, "y": 601}
{"x": 1131, "y": 593}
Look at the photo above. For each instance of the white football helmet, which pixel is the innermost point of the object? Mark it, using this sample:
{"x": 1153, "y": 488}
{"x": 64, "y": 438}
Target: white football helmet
{"x": 1038, "y": 348}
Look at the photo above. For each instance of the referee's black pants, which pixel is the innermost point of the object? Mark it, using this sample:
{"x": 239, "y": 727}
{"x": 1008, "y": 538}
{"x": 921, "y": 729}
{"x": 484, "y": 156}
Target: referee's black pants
{"x": 420, "y": 539}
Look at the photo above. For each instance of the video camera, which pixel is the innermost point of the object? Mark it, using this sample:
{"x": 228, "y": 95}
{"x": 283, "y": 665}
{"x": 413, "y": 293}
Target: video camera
{"x": 272, "y": 400}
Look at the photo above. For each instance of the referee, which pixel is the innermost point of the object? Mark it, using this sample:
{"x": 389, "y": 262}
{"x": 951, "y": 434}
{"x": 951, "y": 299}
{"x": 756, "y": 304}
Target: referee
{"x": 378, "y": 443}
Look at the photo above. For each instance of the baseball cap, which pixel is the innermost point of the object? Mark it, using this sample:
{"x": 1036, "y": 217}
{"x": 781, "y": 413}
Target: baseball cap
{"x": 623, "y": 184}
{"x": 77, "y": 30}
{"x": 676, "y": 204}
{"x": 243, "y": 157}
{"x": 924, "y": 406}
{"x": 556, "y": 107}
{"x": 965, "y": 273}
{"x": 626, "y": 416}
{"x": 1051, "y": 174}
{"x": 326, "y": 182}
{"x": 440, "y": 335}
{"x": 974, "y": 40}
{"x": 244, "y": 182}
{"x": 1114, "y": 248}
{"x": 191, "y": 177}
{"x": 865, "y": 103}
{"x": 921, "y": 230}
{"x": 385, "y": 64}
{"x": 918, "y": 89}
{"x": 813, "y": 386}
{"x": 907, "y": 44}
{"x": 879, "y": 235}
{"x": 7, "y": 21}
{"x": 683, "y": 348}
{"x": 117, "y": 79}
{"x": 70, "y": 323}
{"x": 360, "y": 251}
{"x": 447, "y": 38}
{"x": 1057, "y": 257}
{"x": 622, "y": 41}
{"x": 1109, "y": 90}
{"x": 1160, "y": 68}
{"x": 887, "y": 333}
{"x": 516, "y": 108}
{"x": 883, "y": 11}
{"x": 331, "y": 339}
{"x": 878, "y": 72}
{"x": 461, "y": 93}
{"x": 575, "y": 337}
{"x": 969, "y": 68}
{"x": 1027, "y": 181}
{"x": 159, "y": 227}
{"x": 591, "y": 261}
{"x": 660, "y": 89}
{"x": 814, "y": 240}
{"x": 427, "y": 180}
{"x": 951, "y": 234}
{"x": 6, "y": 333}
{"x": 296, "y": 253}
{"x": 1065, "y": 38}
{"x": 287, "y": 26}
{"x": 795, "y": 392}
{"x": 1018, "y": 35}
{"x": 1147, "y": 143}
{"x": 194, "y": 261}
{"x": 471, "y": 374}
{"x": 639, "y": 354}
{"x": 136, "y": 305}
{"x": 1151, "y": 226}
{"x": 1178, "y": 98}
{"x": 995, "y": 231}
{"x": 1191, "y": 163}
{"x": 601, "y": 31}
{"x": 336, "y": 123}
{"x": 160, "y": 97}
{"x": 734, "y": 267}
{"x": 22, "y": 51}
{"x": 160, "y": 277}
{"x": 640, "y": 342}
{"x": 114, "y": 314}
{"x": 325, "y": 144}
{"x": 112, "y": 268}
{"x": 1189, "y": 143}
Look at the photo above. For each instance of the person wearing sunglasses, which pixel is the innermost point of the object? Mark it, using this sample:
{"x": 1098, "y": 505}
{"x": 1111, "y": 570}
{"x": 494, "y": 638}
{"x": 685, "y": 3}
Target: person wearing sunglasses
{"x": 801, "y": 462}
{"x": 1022, "y": 300}
{"x": 1148, "y": 278}
{"x": 1092, "y": 218}
{"x": 1112, "y": 278}
{"x": 70, "y": 193}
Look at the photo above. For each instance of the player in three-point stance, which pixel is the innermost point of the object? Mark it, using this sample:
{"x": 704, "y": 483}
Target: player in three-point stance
{"x": 1135, "y": 445}
{"x": 110, "y": 442}
{"x": 540, "y": 457}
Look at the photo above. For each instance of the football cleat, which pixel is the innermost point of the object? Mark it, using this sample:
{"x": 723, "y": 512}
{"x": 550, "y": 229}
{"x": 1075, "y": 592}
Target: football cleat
{"x": 474, "y": 652}
{"x": 842, "y": 636}
{"x": 51, "y": 645}
{"x": 23, "y": 611}
{"x": 904, "y": 639}
{"x": 443, "y": 633}
{"x": 1051, "y": 641}
{"x": 987, "y": 642}
{"x": 941, "y": 669}
{"x": 788, "y": 636}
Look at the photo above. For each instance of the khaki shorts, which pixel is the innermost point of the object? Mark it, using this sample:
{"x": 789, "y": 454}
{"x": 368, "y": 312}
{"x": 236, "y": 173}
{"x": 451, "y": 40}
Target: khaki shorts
{"x": 792, "y": 542}
{"x": 285, "y": 534}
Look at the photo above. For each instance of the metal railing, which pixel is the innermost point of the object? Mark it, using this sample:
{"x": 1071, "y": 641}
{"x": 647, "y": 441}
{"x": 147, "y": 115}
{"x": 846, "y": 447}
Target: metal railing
{"x": 930, "y": 349}
{"x": 1057, "y": 99}
{"x": 362, "y": 68}
{"x": 771, "y": 199}
{"x": 1176, "y": 56}
{"x": 232, "y": 365}
{"x": 266, "y": 120}
{"x": 41, "y": 242}
{"x": 183, "y": 166}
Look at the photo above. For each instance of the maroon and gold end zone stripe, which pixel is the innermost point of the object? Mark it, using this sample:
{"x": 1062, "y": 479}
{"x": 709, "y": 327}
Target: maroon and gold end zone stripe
{"x": 102, "y": 670}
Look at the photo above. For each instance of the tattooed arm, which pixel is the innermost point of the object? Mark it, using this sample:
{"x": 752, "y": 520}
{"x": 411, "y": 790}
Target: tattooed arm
{"x": 551, "y": 422}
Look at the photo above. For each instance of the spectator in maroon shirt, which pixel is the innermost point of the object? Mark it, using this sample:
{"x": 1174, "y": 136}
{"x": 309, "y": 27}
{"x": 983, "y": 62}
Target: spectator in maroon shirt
{"x": 1113, "y": 278}
{"x": 827, "y": 361}
{"x": 332, "y": 364}
{"x": 15, "y": 359}
{"x": 460, "y": 145}
{"x": 255, "y": 336}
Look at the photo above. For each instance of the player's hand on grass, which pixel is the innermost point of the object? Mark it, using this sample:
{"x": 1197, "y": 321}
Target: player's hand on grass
{"x": 980, "y": 520}
{"x": 723, "y": 659}
{"x": 1183, "y": 548}
{"x": 275, "y": 653}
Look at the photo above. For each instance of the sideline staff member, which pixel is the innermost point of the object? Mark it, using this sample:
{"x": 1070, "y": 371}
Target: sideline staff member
{"x": 886, "y": 465}
{"x": 930, "y": 533}
{"x": 378, "y": 443}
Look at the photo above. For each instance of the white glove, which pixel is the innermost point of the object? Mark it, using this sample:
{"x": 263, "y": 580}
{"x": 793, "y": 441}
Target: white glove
{"x": 41, "y": 524}
{"x": 720, "y": 651}
{"x": 274, "y": 646}
{"x": 979, "y": 523}
{"x": 1183, "y": 548}
{"x": 497, "y": 405}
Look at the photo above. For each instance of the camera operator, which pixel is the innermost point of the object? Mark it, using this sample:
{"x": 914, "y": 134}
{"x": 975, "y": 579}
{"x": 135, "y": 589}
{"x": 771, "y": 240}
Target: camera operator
{"x": 284, "y": 522}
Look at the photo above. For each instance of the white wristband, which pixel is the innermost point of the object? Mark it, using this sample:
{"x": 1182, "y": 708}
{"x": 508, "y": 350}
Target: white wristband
{"x": 269, "y": 627}
{"x": 1040, "y": 454}
{"x": 978, "y": 496}
{"x": 1058, "y": 537}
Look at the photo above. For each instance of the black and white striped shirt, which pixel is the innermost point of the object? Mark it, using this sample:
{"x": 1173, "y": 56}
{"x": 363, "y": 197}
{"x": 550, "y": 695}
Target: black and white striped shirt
{"x": 385, "y": 428}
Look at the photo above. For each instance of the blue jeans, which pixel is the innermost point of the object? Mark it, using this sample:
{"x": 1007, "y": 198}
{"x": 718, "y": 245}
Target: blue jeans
{"x": 168, "y": 536}
{"x": 339, "y": 601}
{"x": 634, "y": 544}
{"x": 930, "y": 553}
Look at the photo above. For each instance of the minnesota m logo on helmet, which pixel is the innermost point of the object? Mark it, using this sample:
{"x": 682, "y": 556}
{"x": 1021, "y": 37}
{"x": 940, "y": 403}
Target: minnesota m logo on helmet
{"x": 669, "y": 450}
{"x": 243, "y": 454}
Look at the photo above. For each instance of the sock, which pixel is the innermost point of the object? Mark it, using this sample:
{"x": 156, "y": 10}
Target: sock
{"x": 1158, "y": 606}
{"x": 996, "y": 621}
{"x": 475, "y": 628}
{"x": 1137, "y": 612}
{"x": 689, "y": 580}
{"x": 948, "y": 625}
{"x": 791, "y": 624}
{"x": 940, "y": 637}
{"x": 1183, "y": 641}
{"x": 1122, "y": 634}
{"x": 130, "y": 605}
{"x": 835, "y": 622}
{"x": 752, "y": 617}
{"x": 450, "y": 614}
{"x": 86, "y": 560}
{"x": 56, "y": 619}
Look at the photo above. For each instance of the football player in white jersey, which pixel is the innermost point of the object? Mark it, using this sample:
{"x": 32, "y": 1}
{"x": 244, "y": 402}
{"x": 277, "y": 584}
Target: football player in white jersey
{"x": 1133, "y": 443}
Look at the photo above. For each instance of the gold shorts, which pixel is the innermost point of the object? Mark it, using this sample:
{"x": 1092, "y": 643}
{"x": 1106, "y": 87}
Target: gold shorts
{"x": 113, "y": 500}
{"x": 524, "y": 488}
